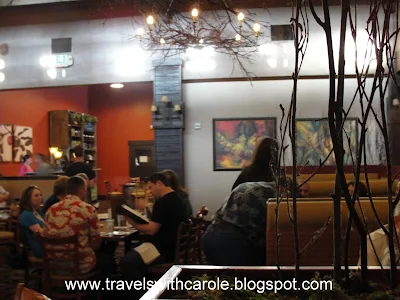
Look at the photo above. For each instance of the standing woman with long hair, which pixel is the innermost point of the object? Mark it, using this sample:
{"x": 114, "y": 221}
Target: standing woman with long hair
{"x": 31, "y": 219}
{"x": 236, "y": 236}
{"x": 174, "y": 183}
{"x": 260, "y": 166}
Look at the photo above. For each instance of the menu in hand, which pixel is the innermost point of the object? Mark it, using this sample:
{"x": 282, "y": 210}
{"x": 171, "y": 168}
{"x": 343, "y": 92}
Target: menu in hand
{"x": 132, "y": 214}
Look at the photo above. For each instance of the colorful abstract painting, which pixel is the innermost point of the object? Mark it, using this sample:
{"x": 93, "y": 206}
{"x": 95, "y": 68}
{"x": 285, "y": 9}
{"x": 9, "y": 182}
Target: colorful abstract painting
{"x": 6, "y": 143}
{"x": 235, "y": 140}
{"x": 22, "y": 142}
{"x": 314, "y": 141}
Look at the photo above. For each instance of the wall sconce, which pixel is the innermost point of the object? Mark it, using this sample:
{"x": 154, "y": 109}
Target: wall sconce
{"x": 58, "y": 155}
{"x": 154, "y": 108}
{"x": 164, "y": 99}
{"x": 178, "y": 108}
{"x": 53, "y": 150}
{"x": 396, "y": 102}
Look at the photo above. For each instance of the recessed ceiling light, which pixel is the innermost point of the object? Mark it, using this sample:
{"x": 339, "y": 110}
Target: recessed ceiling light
{"x": 117, "y": 85}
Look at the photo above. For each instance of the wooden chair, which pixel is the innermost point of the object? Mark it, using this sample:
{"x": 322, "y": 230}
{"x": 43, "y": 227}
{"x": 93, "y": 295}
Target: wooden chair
{"x": 200, "y": 229}
{"x": 186, "y": 243}
{"x": 23, "y": 293}
{"x": 61, "y": 257}
{"x": 34, "y": 265}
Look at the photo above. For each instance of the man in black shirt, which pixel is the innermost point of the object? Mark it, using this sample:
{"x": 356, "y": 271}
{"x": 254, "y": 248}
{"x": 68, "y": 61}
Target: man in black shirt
{"x": 78, "y": 166}
{"x": 168, "y": 212}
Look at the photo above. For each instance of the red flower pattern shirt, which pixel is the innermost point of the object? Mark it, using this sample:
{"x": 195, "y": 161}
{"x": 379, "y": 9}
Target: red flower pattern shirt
{"x": 73, "y": 216}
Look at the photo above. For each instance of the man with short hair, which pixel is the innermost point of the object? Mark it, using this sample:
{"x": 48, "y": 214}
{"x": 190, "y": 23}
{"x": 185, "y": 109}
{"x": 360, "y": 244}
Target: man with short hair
{"x": 162, "y": 229}
{"x": 59, "y": 192}
{"x": 78, "y": 166}
{"x": 73, "y": 216}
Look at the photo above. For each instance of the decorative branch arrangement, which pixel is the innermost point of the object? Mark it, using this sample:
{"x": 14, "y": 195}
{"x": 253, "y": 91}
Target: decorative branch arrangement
{"x": 168, "y": 28}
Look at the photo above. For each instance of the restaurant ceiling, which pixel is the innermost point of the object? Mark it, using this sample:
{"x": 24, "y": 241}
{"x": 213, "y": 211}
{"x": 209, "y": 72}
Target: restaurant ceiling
{"x": 28, "y": 12}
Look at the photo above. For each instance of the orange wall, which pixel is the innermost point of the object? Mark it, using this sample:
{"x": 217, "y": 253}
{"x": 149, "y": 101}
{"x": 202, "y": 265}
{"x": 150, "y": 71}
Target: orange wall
{"x": 124, "y": 115}
{"x": 31, "y": 107}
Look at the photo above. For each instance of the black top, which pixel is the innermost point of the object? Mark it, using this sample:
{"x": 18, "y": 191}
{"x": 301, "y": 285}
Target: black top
{"x": 169, "y": 211}
{"x": 249, "y": 175}
{"x": 53, "y": 199}
{"x": 80, "y": 167}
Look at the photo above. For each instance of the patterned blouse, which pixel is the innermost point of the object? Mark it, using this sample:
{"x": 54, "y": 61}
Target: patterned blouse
{"x": 73, "y": 216}
{"x": 246, "y": 208}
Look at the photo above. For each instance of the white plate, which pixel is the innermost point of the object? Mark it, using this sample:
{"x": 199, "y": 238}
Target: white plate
{"x": 119, "y": 233}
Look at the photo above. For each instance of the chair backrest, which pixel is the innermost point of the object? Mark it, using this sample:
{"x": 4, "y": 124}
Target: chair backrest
{"x": 23, "y": 293}
{"x": 60, "y": 255}
{"x": 186, "y": 243}
{"x": 108, "y": 186}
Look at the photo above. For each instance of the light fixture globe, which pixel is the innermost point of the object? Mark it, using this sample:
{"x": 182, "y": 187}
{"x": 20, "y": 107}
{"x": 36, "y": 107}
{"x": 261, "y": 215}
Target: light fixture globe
{"x": 116, "y": 85}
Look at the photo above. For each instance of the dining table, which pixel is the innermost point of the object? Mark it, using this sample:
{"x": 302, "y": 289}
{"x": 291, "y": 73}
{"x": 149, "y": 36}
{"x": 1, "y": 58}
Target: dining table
{"x": 125, "y": 234}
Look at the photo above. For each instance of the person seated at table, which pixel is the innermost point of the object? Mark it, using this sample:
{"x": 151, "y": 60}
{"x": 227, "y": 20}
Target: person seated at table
{"x": 379, "y": 241}
{"x": 303, "y": 189}
{"x": 362, "y": 189}
{"x": 168, "y": 212}
{"x": 73, "y": 216}
{"x": 397, "y": 190}
{"x": 236, "y": 236}
{"x": 31, "y": 219}
{"x": 4, "y": 196}
{"x": 174, "y": 183}
{"x": 26, "y": 165}
{"x": 259, "y": 168}
{"x": 59, "y": 192}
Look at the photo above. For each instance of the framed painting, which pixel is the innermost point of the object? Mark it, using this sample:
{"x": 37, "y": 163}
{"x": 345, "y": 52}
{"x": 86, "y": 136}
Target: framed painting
{"x": 313, "y": 140}
{"x": 6, "y": 138}
{"x": 235, "y": 139}
{"x": 22, "y": 142}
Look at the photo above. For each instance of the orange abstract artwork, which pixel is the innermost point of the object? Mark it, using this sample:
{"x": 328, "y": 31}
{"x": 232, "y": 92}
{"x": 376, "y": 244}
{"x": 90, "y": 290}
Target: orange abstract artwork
{"x": 235, "y": 140}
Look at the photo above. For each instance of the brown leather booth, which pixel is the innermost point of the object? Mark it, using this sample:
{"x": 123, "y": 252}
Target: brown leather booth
{"x": 312, "y": 215}
{"x": 15, "y": 184}
{"x": 325, "y": 188}
{"x": 332, "y": 177}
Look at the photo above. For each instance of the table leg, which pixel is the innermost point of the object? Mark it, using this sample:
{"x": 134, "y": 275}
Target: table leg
{"x": 127, "y": 246}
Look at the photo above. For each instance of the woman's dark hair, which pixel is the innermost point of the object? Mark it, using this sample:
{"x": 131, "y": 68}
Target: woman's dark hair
{"x": 362, "y": 189}
{"x": 25, "y": 203}
{"x": 265, "y": 157}
{"x": 25, "y": 157}
{"x": 174, "y": 182}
